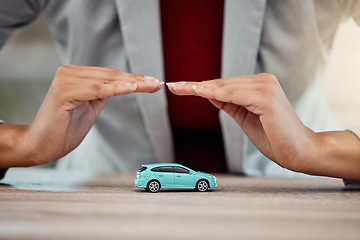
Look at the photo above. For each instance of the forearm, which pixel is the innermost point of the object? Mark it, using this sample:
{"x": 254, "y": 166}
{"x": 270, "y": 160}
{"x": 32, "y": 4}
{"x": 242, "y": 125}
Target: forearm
{"x": 334, "y": 154}
{"x": 13, "y": 149}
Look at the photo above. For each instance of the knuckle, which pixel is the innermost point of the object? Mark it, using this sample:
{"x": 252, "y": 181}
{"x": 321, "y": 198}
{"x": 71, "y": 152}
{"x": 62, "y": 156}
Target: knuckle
{"x": 61, "y": 70}
{"x": 115, "y": 90}
{"x": 219, "y": 83}
{"x": 270, "y": 76}
{"x": 96, "y": 87}
{"x": 270, "y": 85}
{"x": 137, "y": 76}
{"x": 65, "y": 70}
{"x": 113, "y": 73}
{"x": 267, "y": 76}
{"x": 71, "y": 65}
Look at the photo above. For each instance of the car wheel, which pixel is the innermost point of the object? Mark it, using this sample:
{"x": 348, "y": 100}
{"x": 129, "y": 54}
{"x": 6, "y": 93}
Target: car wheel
{"x": 202, "y": 186}
{"x": 153, "y": 186}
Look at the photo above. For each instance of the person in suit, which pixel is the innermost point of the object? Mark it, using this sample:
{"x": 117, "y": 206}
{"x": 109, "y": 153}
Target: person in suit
{"x": 260, "y": 62}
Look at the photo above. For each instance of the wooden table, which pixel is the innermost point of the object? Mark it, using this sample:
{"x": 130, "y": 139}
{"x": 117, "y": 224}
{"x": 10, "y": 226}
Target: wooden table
{"x": 47, "y": 204}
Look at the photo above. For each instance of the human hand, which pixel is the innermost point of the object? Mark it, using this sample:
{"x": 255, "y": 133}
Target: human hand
{"x": 74, "y": 101}
{"x": 260, "y": 107}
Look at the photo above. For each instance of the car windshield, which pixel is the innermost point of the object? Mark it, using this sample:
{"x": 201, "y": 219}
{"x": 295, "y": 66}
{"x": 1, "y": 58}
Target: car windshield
{"x": 142, "y": 169}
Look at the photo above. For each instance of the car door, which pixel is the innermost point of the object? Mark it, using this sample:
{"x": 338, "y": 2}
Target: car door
{"x": 166, "y": 176}
{"x": 183, "y": 178}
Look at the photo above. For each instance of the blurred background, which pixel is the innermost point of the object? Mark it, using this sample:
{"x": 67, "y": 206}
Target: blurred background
{"x": 29, "y": 60}
{"x": 28, "y": 63}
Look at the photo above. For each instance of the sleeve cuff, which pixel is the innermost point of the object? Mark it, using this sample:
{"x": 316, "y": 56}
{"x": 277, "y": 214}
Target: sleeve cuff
{"x": 352, "y": 184}
{"x": 355, "y": 184}
{"x": 355, "y": 130}
{"x": 2, "y": 173}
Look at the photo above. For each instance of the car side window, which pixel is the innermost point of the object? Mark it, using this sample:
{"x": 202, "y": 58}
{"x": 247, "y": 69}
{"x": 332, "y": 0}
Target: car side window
{"x": 162, "y": 169}
{"x": 181, "y": 170}
{"x": 142, "y": 169}
{"x": 166, "y": 169}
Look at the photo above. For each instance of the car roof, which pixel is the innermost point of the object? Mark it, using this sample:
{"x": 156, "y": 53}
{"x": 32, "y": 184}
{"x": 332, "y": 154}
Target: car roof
{"x": 163, "y": 165}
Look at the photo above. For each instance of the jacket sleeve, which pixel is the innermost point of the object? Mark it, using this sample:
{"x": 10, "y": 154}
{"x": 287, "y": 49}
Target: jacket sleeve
{"x": 16, "y": 14}
{"x": 353, "y": 183}
{"x": 2, "y": 171}
{"x": 351, "y": 8}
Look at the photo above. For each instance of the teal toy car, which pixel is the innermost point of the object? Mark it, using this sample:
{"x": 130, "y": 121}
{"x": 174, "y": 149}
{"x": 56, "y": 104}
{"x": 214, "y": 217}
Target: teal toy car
{"x": 152, "y": 177}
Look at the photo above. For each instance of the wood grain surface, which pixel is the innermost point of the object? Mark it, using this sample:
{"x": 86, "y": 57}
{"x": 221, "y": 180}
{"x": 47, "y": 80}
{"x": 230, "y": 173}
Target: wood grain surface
{"x": 47, "y": 204}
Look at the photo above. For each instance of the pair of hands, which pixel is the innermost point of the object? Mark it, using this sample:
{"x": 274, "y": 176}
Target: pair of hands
{"x": 78, "y": 94}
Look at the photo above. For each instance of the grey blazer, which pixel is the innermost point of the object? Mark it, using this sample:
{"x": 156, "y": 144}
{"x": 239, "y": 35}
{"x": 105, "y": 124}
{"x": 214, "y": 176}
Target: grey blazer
{"x": 291, "y": 39}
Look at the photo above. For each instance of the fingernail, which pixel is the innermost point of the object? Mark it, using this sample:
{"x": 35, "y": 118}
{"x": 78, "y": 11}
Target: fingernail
{"x": 150, "y": 79}
{"x": 176, "y": 84}
{"x": 132, "y": 86}
{"x": 162, "y": 83}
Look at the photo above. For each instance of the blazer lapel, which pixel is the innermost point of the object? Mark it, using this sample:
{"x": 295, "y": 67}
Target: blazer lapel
{"x": 243, "y": 21}
{"x": 141, "y": 31}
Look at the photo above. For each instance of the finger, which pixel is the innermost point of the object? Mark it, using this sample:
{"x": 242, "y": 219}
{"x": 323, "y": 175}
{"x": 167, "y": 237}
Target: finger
{"x": 239, "y": 96}
{"x": 216, "y": 103}
{"x": 238, "y": 113}
{"x": 182, "y": 88}
{"x": 249, "y": 122}
{"x": 87, "y": 71}
{"x": 112, "y": 74}
{"x": 97, "y": 89}
{"x": 245, "y": 82}
{"x": 94, "y": 72}
{"x": 235, "y": 111}
{"x": 73, "y": 95}
{"x": 233, "y": 83}
{"x": 159, "y": 86}
{"x": 186, "y": 88}
{"x": 145, "y": 83}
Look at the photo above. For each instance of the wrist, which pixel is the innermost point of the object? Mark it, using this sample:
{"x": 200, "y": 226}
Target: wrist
{"x": 319, "y": 148}
{"x": 334, "y": 154}
{"x": 14, "y": 150}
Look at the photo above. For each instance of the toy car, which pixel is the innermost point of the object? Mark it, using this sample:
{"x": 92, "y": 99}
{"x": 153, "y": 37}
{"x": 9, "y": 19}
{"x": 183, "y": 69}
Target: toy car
{"x": 152, "y": 177}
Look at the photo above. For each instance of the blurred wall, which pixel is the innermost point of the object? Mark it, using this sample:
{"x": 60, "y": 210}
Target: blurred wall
{"x": 29, "y": 61}
{"x": 27, "y": 65}
{"x": 343, "y": 75}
